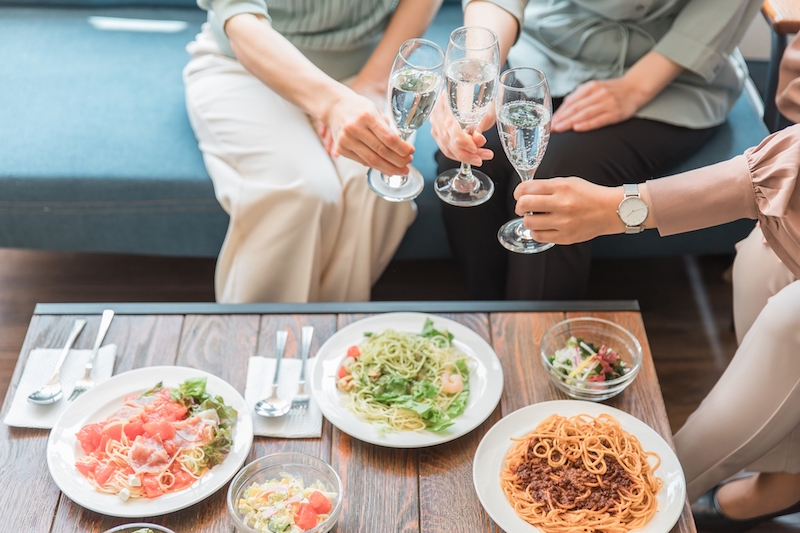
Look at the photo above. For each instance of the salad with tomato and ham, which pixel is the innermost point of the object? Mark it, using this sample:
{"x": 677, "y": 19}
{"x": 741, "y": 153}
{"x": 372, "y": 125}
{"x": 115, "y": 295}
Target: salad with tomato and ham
{"x": 584, "y": 361}
{"x": 285, "y": 505}
{"x": 158, "y": 441}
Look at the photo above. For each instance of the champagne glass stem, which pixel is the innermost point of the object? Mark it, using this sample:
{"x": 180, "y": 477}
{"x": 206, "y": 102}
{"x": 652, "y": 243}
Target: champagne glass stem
{"x": 400, "y": 179}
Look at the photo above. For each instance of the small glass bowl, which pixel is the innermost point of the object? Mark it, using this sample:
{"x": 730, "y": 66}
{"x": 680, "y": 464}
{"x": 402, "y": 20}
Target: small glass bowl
{"x": 598, "y": 332}
{"x": 131, "y": 528}
{"x": 296, "y": 464}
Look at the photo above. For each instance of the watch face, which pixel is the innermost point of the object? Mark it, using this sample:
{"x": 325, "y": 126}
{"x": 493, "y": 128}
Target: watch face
{"x": 632, "y": 211}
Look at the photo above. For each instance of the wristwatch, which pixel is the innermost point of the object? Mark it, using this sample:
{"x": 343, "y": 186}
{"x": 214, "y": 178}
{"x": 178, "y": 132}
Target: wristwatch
{"x": 632, "y": 209}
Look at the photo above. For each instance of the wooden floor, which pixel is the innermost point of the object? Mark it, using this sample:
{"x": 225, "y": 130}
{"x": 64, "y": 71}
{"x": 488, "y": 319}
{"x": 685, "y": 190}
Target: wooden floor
{"x": 686, "y": 306}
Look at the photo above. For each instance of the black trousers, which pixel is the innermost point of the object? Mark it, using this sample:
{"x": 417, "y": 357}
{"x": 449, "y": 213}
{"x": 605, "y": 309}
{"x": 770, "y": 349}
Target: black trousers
{"x": 630, "y": 152}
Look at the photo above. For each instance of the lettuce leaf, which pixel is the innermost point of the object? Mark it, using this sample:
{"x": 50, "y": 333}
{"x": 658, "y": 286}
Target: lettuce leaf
{"x": 429, "y": 331}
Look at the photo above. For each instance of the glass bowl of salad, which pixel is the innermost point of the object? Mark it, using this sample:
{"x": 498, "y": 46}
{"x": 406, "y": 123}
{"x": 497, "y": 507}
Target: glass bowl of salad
{"x": 287, "y": 492}
{"x": 590, "y": 358}
{"x": 139, "y": 528}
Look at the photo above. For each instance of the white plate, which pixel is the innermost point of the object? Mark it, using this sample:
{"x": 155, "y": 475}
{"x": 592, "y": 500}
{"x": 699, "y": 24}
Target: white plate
{"x": 485, "y": 380}
{"x": 98, "y": 403}
{"x": 491, "y": 454}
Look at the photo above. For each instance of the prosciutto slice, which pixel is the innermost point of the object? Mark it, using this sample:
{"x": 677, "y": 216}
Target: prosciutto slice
{"x": 148, "y": 456}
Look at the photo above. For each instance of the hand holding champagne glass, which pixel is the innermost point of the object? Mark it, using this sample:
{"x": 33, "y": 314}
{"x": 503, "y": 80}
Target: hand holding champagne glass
{"x": 471, "y": 66}
{"x": 414, "y": 85}
{"x": 524, "y": 109}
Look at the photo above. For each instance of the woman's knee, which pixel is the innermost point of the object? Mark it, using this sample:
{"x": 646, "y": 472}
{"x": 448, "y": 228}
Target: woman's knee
{"x": 781, "y": 316}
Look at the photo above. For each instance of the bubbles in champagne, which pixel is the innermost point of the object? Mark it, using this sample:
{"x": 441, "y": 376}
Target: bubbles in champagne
{"x": 524, "y": 131}
{"x": 470, "y": 88}
{"x": 412, "y": 96}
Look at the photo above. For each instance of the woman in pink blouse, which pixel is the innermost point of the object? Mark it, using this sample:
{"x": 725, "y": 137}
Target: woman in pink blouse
{"x": 751, "y": 418}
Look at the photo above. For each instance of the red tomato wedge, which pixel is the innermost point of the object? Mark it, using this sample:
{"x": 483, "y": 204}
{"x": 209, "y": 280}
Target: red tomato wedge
{"x": 103, "y": 473}
{"x": 89, "y": 437}
{"x": 134, "y": 429}
{"x": 319, "y": 502}
{"x": 113, "y": 431}
{"x": 353, "y": 351}
{"x": 306, "y": 517}
{"x": 85, "y": 469}
{"x": 342, "y": 372}
{"x": 161, "y": 428}
{"x": 151, "y": 487}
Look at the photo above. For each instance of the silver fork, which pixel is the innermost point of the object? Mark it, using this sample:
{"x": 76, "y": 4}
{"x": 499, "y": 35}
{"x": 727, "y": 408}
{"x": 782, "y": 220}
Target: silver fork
{"x": 86, "y": 382}
{"x": 301, "y": 398}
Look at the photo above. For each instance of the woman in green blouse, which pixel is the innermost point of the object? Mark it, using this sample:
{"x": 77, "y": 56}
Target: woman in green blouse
{"x": 637, "y": 85}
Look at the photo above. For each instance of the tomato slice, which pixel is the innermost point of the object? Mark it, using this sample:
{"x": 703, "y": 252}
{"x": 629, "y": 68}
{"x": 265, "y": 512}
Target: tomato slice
{"x": 162, "y": 428}
{"x": 342, "y": 372}
{"x": 151, "y": 488}
{"x": 320, "y": 503}
{"x": 85, "y": 469}
{"x": 113, "y": 430}
{"x": 134, "y": 429}
{"x": 353, "y": 351}
{"x": 103, "y": 473}
{"x": 306, "y": 517}
{"x": 89, "y": 437}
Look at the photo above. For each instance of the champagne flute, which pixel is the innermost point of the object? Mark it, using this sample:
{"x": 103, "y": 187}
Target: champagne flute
{"x": 471, "y": 66}
{"x": 524, "y": 109}
{"x": 414, "y": 85}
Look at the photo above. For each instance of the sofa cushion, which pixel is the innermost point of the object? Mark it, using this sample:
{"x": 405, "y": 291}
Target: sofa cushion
{"x": 96, "y": 148}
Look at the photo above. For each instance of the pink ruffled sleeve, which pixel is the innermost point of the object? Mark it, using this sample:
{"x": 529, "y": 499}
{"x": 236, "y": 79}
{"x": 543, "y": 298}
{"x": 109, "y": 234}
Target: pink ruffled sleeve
{"x": 775, "y": 174}
{"x": 764, "y": 183}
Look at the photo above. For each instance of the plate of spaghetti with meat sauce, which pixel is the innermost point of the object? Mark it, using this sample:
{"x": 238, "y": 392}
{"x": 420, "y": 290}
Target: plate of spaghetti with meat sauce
{"x": 572, "y": 466}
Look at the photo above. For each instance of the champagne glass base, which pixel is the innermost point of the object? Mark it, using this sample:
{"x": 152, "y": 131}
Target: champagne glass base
{"x": 453, "y": 190}
{"x": 515, "y": 237}
{"x": 402, "y": 192}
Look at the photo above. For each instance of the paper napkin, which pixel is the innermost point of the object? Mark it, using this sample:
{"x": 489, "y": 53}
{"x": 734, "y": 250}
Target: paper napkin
{"x": 260, "y": 371}
{"x": 39, "y": 369}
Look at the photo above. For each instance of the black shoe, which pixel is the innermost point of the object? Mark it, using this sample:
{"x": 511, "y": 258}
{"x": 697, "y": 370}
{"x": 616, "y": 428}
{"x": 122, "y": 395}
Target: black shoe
{"x": 709, "y": 517}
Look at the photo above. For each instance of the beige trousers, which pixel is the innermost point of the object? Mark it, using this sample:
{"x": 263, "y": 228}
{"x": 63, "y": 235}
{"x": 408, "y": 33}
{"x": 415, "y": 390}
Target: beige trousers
{"x": 303, "y": 227}
{"x": 751, "y": 418}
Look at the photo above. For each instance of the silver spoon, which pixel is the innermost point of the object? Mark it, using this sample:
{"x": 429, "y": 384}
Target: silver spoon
{"x": 51, "y": 392}
{"x": 274, "y": 406}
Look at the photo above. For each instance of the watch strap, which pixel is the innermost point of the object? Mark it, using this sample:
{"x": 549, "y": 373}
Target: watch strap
{"x": 630, "y": 189}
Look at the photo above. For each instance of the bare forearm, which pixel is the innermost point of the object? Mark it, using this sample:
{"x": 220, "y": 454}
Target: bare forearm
{"x": 278, "y": 64}
{"x": 497, "y": 19}
{"x": 410, "y": 19}
{"x": 649, "y": 76}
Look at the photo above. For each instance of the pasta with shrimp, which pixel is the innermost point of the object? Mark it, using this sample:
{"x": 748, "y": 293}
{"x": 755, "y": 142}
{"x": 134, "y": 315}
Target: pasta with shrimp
{"x": 406, "y": 382}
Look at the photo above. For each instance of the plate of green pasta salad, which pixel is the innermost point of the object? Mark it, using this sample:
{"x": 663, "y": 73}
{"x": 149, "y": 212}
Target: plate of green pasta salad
{"x": 406, "y": 380}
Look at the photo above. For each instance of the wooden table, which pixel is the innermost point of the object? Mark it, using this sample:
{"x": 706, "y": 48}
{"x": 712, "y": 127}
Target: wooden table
{"x": 386, "y": 490}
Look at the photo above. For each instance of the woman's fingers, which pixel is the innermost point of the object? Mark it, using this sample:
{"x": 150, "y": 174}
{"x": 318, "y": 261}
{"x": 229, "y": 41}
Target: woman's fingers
{"x": 364, "y": 154}
{"x": 596, "y": 122}
{"x": 369, "y": 141}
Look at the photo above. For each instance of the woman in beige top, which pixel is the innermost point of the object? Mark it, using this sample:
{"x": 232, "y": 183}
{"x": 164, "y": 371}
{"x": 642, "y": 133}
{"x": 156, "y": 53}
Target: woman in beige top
{"x": 751, "y": 418}
{"x": 286, "y": 100}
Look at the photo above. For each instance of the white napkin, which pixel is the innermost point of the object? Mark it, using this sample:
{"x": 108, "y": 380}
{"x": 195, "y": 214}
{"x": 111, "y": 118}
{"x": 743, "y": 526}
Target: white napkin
{"x": 39, "y": 369}
{"x": 260, "y": 371}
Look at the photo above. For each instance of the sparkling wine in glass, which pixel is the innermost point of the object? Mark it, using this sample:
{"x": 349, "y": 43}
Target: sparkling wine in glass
{"x": 414, "y": 84}
{"x": 471, "y": 66}
{"x": 524, "y": 109}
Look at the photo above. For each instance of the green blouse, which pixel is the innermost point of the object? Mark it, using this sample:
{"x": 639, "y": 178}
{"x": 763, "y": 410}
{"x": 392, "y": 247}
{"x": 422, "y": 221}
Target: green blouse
{"x": 336, "y": 35}
{"x": 573, "y": 41}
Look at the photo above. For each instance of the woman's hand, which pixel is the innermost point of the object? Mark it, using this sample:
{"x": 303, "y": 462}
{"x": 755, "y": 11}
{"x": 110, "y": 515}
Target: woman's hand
{"x": 568, "y": 210}
{"x": 455, "y": 143}
{"x": 595, "y": 104}
{"x": 358, "y": 130}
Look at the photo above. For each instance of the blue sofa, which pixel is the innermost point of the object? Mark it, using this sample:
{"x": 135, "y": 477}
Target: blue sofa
{"x": 97, "y": 155}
